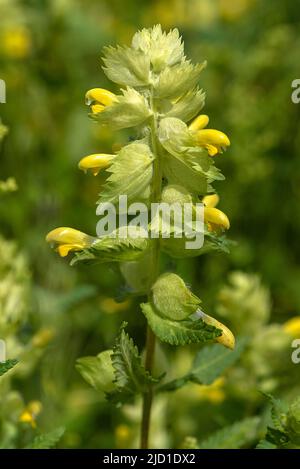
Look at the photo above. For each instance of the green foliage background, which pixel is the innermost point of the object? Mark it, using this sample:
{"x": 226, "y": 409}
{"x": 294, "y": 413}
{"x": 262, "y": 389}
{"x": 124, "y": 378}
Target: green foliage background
{"x": 49, "y": 56}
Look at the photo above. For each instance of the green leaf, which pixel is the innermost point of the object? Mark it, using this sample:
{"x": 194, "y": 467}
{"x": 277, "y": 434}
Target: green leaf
{"x": 211, "y": 362}
{"x": 130, "y": 174}
{"x": 129, "y": 110}
{"x": 7, "y": 365}
{"x": 189, "y": 106}
{"x": 163, "y": 49}
{"x": 131, "y": 376}
{"x": 278, "y": 411}
{"x": 47, "y": 440}
{"x": 235, "y": 436}
{"x": 176, "y": 81}
{"x": 98, "y": 371}
{"x": 126, "y": 66}
{"x": 183, "y": 332}
{"x": 172, "y": 298}
{"x": 116, "y": 248}
{"x": 264, "y": 444}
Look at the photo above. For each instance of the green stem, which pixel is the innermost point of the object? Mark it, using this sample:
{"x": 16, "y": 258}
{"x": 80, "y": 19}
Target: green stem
{"x": 154, "y": 269}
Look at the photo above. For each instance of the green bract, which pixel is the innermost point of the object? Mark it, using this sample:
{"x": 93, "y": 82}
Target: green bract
{"x": 172, "y": 298}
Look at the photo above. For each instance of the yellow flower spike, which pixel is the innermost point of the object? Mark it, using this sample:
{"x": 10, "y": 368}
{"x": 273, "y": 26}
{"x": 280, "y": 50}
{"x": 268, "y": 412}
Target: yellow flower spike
{"x": 216, "y": 219}
{"x": 227, "y": 338}
{"x": 211, "y": 201}
{"x": 68, "y": 239}
{"x": 31, "y": 411}
{"x": 95, "y": 162}
{"x": 292, "y": 327}
{"x": 99, "y": 96}
{"x": 199, "y": 123}
{"x": 213, "y": 140}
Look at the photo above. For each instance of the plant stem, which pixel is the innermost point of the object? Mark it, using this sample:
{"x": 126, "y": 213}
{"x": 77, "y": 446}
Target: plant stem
{"x": 154, "y": 272}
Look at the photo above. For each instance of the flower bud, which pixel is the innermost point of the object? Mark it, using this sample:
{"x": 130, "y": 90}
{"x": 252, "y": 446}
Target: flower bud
{"x": 199, "y": 123}
{"x": 227, "y": 338}
{"x": 68, "y": 239}
{"x": 95, "y": 162}
{"x": 216, "y": 219}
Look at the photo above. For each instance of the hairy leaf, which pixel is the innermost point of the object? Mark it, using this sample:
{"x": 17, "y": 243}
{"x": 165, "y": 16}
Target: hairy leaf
{"x": 176, "y": 81}
{"x": 130, "y": 174}
{"x": 130, "y": 374}
{"x": 126, "y": 66}
{"x": 163, "y": 49}
{"x": 183, "y": 332}
{"x": 129, "y": 110}
{"x": 187, "y": 107}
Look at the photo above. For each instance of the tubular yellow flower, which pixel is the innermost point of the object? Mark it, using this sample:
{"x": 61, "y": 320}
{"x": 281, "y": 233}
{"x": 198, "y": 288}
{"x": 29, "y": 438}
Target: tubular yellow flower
{"x": 211, "y": 201}
{"x": 99, "y": 98}
{"x": 213, "y": 140}
{"x": 216, "y": 219}
{"x": 227, "y": 338}
{"x": 292, "y": 327}
{"x": 68, "y": 239}
{"x": 200, "y": 122}
{"x": 95, "y": 162}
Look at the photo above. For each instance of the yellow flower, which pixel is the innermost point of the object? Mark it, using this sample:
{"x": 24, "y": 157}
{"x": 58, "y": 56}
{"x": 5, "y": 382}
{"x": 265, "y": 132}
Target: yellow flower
{"x": 68, "y": 239}
{"x": 31, "y": 411}
{"x": 292, "y": 326}
{"x": 227, "y": 338}
{"x": 95, "y": 162}
{"x": 98, "y": 99}
{"x": 211, "y": 200}
{"x": 122, "y": 435}
{"x": 200, "y": 122}
{"x": 110, "y": 305}
{"x": 43, "y": 337}
{"x": 213, "y": 393}
{"x": 215, "y": 218}
{"x": 213, "y": 140}
{"x": 16, "y": 42}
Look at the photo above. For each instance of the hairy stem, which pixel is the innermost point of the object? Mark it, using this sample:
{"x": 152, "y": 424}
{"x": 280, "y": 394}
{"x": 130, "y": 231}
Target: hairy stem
{"x": 154, "y": 272}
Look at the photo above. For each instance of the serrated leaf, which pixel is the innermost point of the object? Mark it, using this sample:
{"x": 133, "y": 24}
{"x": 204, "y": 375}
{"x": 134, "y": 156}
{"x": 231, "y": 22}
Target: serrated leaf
{"x": 183, "y": 332}
{"x": 278, "y": 410}
{"x": 189, "y": 106}
{"x": 126, "y": 66}
{"x": 128, "y": 110}
{"x": 131, "y": 376}
{"x": 47, "y": 440}
{"x": 163, "y": 49}
{"x": 116, "y": 247}
{"x": 211, "y": 362}
{"x": 7, "y": 365}
{"x": 130, "y": 174}
{"x": 235, "y": 436}
{"x": 97, "y": 371}
{"x": 176, "y": 81}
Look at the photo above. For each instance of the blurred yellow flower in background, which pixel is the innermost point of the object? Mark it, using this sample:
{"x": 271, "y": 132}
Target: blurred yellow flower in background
{"x": 213, "y": 393}
{"x": 292, "y": 326}
{"x": 16, "y": 42}
{"x": 30, "y": 413}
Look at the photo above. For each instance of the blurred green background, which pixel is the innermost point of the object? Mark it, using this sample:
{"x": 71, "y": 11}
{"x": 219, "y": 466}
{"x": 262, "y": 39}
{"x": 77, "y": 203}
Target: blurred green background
{"x": 49, "y": 56}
